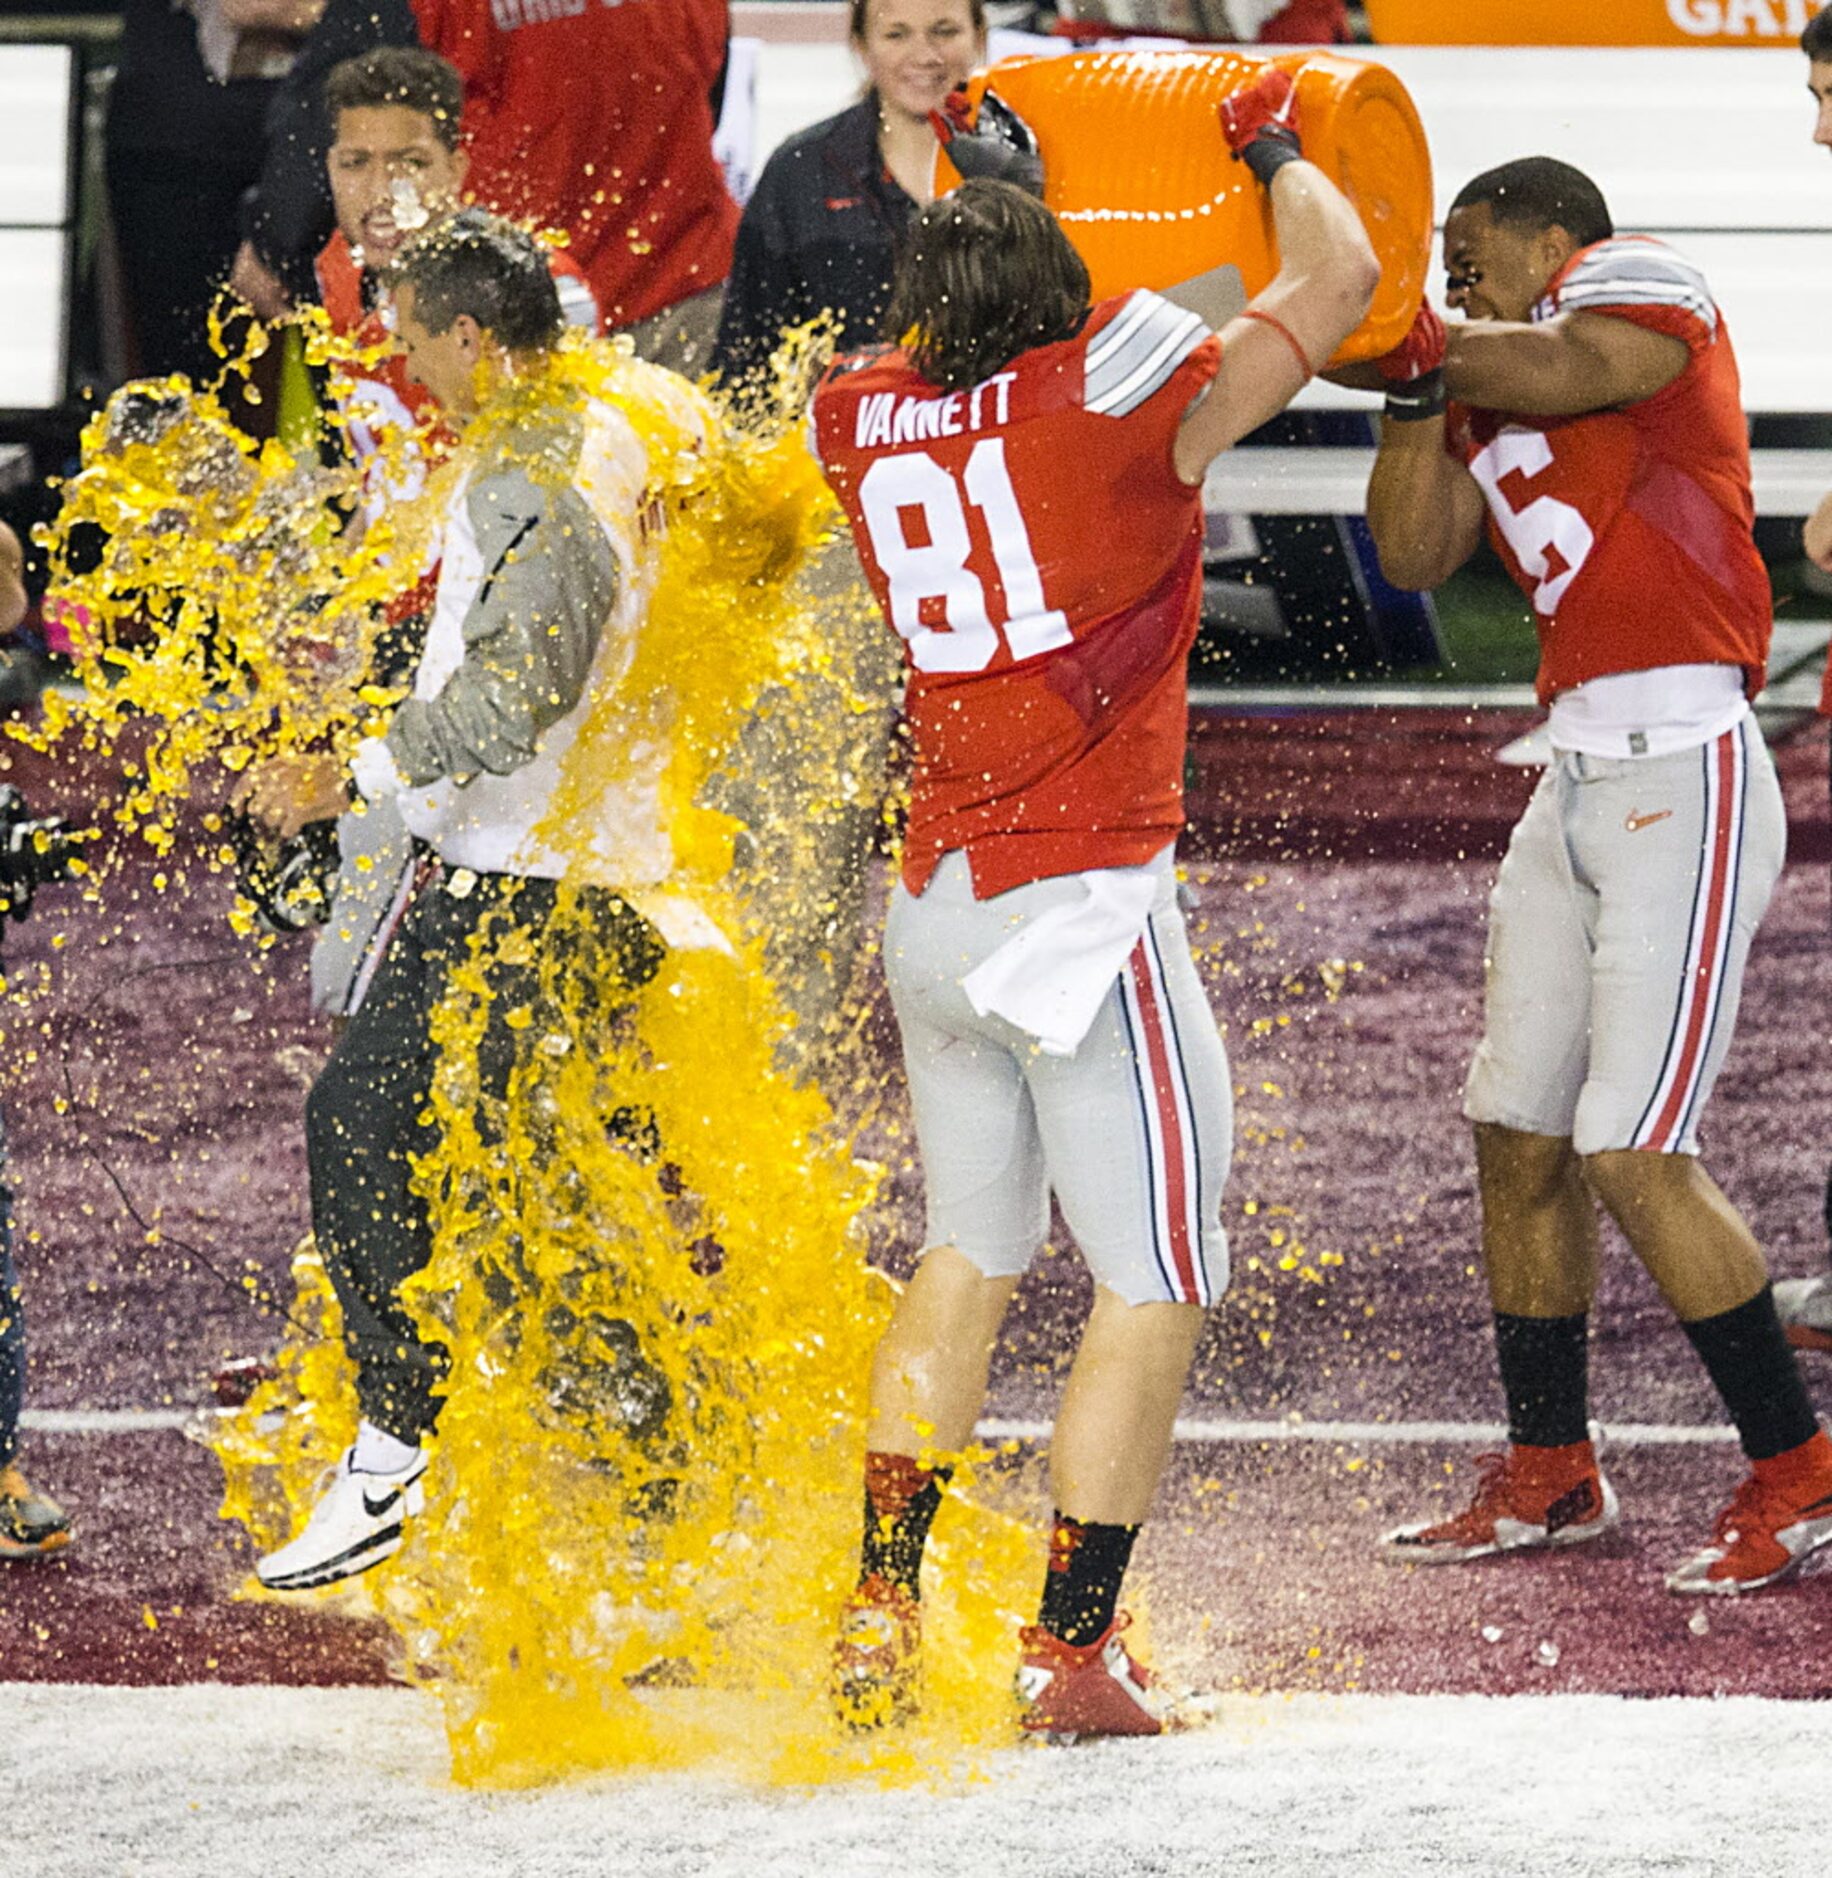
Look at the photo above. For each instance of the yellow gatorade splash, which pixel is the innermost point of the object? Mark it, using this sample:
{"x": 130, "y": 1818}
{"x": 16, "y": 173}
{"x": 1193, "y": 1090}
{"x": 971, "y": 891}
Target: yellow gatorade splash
{"x": 643, "y": 1505}
{"x": 218, "y": 612}
{"x": 644, "y": 1498}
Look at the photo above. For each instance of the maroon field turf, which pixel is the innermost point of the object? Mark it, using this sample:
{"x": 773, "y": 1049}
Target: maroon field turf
{"x": 1340, "y": 863}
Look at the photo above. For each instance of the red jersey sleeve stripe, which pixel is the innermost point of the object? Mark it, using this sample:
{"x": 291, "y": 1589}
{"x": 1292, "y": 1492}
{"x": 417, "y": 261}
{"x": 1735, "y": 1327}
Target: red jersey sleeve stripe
{"x": 1636, "y": 273}
{"x": 1122, "y": 376}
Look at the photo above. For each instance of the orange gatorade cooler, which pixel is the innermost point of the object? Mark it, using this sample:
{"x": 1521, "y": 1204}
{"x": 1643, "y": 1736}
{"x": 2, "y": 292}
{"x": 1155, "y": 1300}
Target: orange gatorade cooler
{"x": 1136, "y": 169}
{"x": 1619, "y": 23}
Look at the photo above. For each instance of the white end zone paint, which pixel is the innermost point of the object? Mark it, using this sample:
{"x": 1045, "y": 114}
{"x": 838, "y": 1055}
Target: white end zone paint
{"x": 288, "y": 1783}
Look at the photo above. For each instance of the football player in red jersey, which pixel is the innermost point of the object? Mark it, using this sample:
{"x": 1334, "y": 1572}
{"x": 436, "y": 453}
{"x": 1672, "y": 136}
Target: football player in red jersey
{"x": 1023, "y": 480}
{"x": 1806, "y": 1303}
{"x": 1594, "y": 423}
{"x": 395, "y": 163}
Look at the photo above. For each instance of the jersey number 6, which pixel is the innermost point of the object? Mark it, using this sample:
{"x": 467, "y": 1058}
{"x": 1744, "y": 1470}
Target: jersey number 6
{"x": 1544, "y": 524}
{"x": 937, "y": 569}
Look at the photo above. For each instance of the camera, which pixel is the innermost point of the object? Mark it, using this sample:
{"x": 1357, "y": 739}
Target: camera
{"x": 33, "y": 852}
{"x": 290, "y": 880}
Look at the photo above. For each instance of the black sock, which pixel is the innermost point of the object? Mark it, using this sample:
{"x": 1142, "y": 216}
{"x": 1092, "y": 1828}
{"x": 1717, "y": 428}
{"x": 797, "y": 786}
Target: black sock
{"x": 901, "y": 1500}
{"x": 1087, "y": 1562}
{"x": 1745, "y": 1352}
{"x": 1545, "y": 1374}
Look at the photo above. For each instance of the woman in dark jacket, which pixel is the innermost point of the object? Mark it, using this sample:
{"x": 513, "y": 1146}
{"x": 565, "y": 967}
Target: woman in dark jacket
{"x": 826, "y": 223}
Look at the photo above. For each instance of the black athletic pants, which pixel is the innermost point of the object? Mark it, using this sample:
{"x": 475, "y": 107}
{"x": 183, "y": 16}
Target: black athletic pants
{"x": 365, "y": 1118}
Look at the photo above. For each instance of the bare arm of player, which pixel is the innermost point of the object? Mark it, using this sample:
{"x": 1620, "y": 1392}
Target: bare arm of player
{"x": 1561, "y": 367}
{"x": 1424, "y": 508}
{"x": 1816, "y": 537}
{"x": 1325, "y": 283}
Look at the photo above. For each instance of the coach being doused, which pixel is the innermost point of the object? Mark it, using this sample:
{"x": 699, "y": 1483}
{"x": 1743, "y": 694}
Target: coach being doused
{"x": 541, "y": 595}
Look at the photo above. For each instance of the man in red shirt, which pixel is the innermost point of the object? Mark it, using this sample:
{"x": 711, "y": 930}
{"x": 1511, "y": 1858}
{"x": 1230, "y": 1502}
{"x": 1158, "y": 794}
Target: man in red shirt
{"x": 598, "y": 121}
{"x": 395, "y": 164}
{"x": 591, "y": 120}
{"x": 1596, "y": 427}
{"x": 1023, "y": 481}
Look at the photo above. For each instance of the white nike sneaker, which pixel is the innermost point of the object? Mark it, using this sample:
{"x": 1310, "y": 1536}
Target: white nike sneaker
{"x": 357, "y": 1523}
{"x": 1804, "y": 1306}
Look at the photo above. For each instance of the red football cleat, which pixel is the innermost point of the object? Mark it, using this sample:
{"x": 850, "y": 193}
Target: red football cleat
{"x": 1525, "y": 1498}
{"x": 877, "y": 1657}
{"x": 1072, "y": 1691}
{"x": 239, "y": 1378}
{"x": 1775, "y": 1522}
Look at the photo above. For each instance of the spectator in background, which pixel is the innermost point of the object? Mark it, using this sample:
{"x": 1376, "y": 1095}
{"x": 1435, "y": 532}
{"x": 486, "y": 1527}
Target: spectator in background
{"x": 825, "y": 226}
{"x": 596, "y": 121}
{"x": 30, "y": 1523}
{"x": 183, "y": 142}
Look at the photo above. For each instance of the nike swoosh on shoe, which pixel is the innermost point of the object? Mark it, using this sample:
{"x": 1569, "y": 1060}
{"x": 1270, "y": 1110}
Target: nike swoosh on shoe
{"x": 1572, "y": 1509}
{"x": 342, "y": 1565}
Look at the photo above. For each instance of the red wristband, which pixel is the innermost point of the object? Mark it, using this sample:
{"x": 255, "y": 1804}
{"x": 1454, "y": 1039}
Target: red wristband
{"x": 1286, "y": 334}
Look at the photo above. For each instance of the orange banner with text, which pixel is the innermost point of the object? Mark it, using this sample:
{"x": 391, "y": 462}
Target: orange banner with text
{"x": 1599, "y": 23}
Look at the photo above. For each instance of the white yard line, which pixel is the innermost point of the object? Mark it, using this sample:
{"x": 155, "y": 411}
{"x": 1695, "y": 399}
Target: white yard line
{"x": 1195, "y": 1430}
{"x": 91, "y": 1421}
{"x": 1385, "y": 1434}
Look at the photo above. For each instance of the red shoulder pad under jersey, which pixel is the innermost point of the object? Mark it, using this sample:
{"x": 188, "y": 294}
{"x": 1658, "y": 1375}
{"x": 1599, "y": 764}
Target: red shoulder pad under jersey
{"x": 1132, "y": 350}
{"x": 1635, "y": 277}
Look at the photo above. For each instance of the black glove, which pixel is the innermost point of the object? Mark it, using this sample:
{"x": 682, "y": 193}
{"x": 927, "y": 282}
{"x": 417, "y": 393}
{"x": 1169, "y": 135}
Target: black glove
{"x": 996, "y": 144}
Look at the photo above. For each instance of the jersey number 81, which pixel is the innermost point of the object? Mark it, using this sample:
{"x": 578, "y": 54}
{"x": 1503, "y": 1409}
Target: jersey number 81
{"x": 937, "y": 571}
